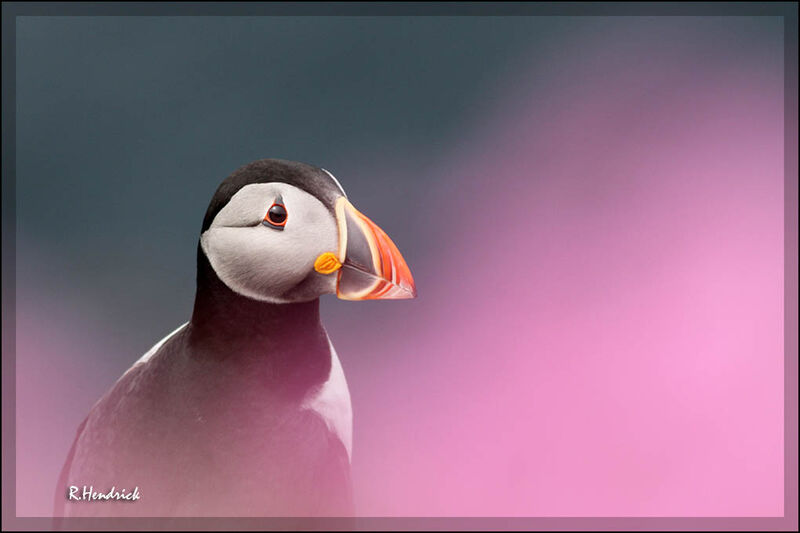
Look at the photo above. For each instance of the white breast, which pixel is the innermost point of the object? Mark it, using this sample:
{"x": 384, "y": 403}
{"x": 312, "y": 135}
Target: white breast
{"x": 152, "y": 351}
{"x": 331, "y": 401}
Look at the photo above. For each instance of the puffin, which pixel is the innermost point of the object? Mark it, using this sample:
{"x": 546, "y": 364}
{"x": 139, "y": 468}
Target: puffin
{"x": 244, "y": 410}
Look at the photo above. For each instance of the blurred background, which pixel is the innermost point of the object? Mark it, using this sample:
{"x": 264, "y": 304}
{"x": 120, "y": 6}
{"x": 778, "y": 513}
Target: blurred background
{"x": 592, "y": 209}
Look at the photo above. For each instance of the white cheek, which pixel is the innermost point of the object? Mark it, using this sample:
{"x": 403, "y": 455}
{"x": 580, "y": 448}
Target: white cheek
{"x": 263, "y": 263}
{"x": 246, "y": 260}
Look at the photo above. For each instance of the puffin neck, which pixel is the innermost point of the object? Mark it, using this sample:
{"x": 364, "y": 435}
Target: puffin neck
{"x": 227, "y": 325}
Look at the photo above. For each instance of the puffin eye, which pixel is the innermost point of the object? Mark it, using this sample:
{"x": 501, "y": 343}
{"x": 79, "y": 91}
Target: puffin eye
{"x": 276, "y": 216}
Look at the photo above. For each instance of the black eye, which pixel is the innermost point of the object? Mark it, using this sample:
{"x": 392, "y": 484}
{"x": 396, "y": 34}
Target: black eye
{"x": 276, "y": 216}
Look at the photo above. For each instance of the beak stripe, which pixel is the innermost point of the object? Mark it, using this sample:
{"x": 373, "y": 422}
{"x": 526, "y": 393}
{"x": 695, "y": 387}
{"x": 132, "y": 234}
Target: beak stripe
{"x": 374, "y": 267}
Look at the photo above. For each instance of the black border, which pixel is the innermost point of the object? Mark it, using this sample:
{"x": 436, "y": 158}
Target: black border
{"x": 787, "y": 10}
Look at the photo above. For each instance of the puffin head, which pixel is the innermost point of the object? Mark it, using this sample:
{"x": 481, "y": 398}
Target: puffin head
{"x": 284, "y": 232}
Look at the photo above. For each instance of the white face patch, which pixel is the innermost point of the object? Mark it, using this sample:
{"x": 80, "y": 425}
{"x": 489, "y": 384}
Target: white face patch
{"x": 265, "y": 263}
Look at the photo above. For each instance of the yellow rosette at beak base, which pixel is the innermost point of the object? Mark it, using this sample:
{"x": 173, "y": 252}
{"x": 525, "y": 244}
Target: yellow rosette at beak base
{"x": 327, "y": 263}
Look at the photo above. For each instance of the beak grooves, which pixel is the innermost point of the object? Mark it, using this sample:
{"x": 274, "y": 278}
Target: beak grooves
{"x": 373, "y": 269}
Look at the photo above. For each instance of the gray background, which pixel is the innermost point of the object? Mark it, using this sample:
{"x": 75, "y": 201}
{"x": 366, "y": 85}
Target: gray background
{"x": 127, "y": 125}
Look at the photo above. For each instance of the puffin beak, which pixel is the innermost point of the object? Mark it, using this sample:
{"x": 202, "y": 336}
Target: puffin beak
{"x": 371, "y": 265}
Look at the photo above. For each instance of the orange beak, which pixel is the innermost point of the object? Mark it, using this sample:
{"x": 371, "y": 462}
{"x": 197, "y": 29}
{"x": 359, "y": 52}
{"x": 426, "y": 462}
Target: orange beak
{"x": 371, "y": 265}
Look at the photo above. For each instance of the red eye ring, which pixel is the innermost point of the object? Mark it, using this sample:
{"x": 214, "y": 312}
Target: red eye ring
{"x": 276, "y": 215}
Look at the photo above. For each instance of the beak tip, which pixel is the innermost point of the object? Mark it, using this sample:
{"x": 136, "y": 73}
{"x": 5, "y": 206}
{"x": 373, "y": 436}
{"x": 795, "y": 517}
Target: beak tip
{"x": 373, "y": 269}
